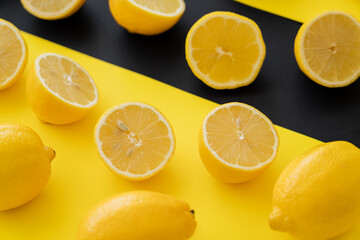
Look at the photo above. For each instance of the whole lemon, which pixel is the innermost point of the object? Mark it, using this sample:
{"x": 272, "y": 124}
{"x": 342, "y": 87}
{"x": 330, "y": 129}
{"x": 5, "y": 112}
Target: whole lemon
{"x": 24, "y": 165}
{"x": 317, "y": 196}
{"x": 139, "y": 215}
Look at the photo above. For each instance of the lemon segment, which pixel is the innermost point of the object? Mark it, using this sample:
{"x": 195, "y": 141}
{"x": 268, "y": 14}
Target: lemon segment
{"x": 138, "y": 215}
{"x": 52, "y": 9}
{"x": 237, "y": 142}
{"x": 13, "y": 54}
{"x": 134, "y": 140}
{"x": 327, "y": 49}
{"x": 225, "y": 50}
{"x": 24, "y": 165}
{"x": 59, "y": 90}
{"x": 147, "y": 17}
{"x": 317, "y": 196}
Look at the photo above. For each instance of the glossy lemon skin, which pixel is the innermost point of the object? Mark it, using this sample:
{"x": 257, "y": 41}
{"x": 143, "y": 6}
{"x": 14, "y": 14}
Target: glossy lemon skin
{"x": 24, "y": 165}
{"x": 138, "y": 215}
{"x": 317, "y": 196}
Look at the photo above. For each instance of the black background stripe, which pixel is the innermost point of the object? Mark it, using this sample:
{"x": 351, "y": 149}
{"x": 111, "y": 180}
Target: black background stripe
{"x": 281, "y": 91}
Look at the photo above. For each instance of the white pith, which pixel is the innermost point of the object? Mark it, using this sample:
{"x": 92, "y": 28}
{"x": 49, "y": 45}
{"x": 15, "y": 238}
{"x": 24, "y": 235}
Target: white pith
{"x": 178, "y": 11}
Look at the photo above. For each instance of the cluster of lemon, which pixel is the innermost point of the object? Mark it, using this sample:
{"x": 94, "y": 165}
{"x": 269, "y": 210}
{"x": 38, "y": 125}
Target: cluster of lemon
{"x": 135, "y": 140}
{"x": 226, "y": 50}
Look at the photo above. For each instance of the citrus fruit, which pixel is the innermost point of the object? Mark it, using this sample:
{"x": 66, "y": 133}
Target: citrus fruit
{"x": 138, "y": 215}
{"x": 147, "y": 17}
{"x": 134, "y": 140}
{"x": 59, "y": 90}
{"x": 317, "y": 196}
{"x": 237, "y": 142}
{"x": 327, "y": 49}
{"x": 24, "y": 165}
{"x": 225, "y": 50}
{"x": 52, "y": 9}
{"x": 13, "y": 54}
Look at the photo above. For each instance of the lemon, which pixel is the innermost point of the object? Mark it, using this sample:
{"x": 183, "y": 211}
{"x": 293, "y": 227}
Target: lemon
{"x": 138, "y": 215}
{"x": 237, "y": 142}
{"x": 52, "y": 9}
{"x": 147, "y": 17}
{"x": 134, "y": 140}
{"x": 225, "y": 50}
{"x": 59, "y": 90}
{"x": 327, "y": 49}
{"x": 13, "y": 54}
{"x": 317, "y": 196}
{"x": 24, "y": 165}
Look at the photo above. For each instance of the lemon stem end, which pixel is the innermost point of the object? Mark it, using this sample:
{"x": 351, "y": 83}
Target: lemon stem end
{"x": 50, "y": 153}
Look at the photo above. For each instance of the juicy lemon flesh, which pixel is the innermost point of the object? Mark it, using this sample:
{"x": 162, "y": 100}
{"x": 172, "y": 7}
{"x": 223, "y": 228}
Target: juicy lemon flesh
{"x": 161, "y": 6}
{"x": 11, "y": 53}
{"x": 240, "y": 137}
{"x": 52, "y": 6}
{"x": 65, "y": 78}
{"x": 332, "y": 47}
{"x": 227, "y": 49}
{"x": 135, "y": 139}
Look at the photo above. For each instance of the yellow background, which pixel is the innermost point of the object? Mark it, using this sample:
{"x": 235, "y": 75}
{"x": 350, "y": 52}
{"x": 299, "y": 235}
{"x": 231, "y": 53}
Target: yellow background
{"x": 302, "y": 10}
{"x": 79, "y": 178}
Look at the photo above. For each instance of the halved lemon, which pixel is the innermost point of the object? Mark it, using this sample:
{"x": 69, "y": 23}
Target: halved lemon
{"x": 147, "y": 17}
{"x": 59, "y": 90}
{"x": 52, "y": 9}
{"x": 327, "y": 49}
{"x": 13, "y": 54}
{"x": 237, "y": 142}
{"x": 225, "y": 50}
{"x": 134, "y": 140}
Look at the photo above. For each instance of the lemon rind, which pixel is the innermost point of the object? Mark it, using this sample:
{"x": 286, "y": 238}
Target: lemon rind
{"x": 255, "y": 111}
{"x": 127, "y": 174}
{"x": 37, "y": 68}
